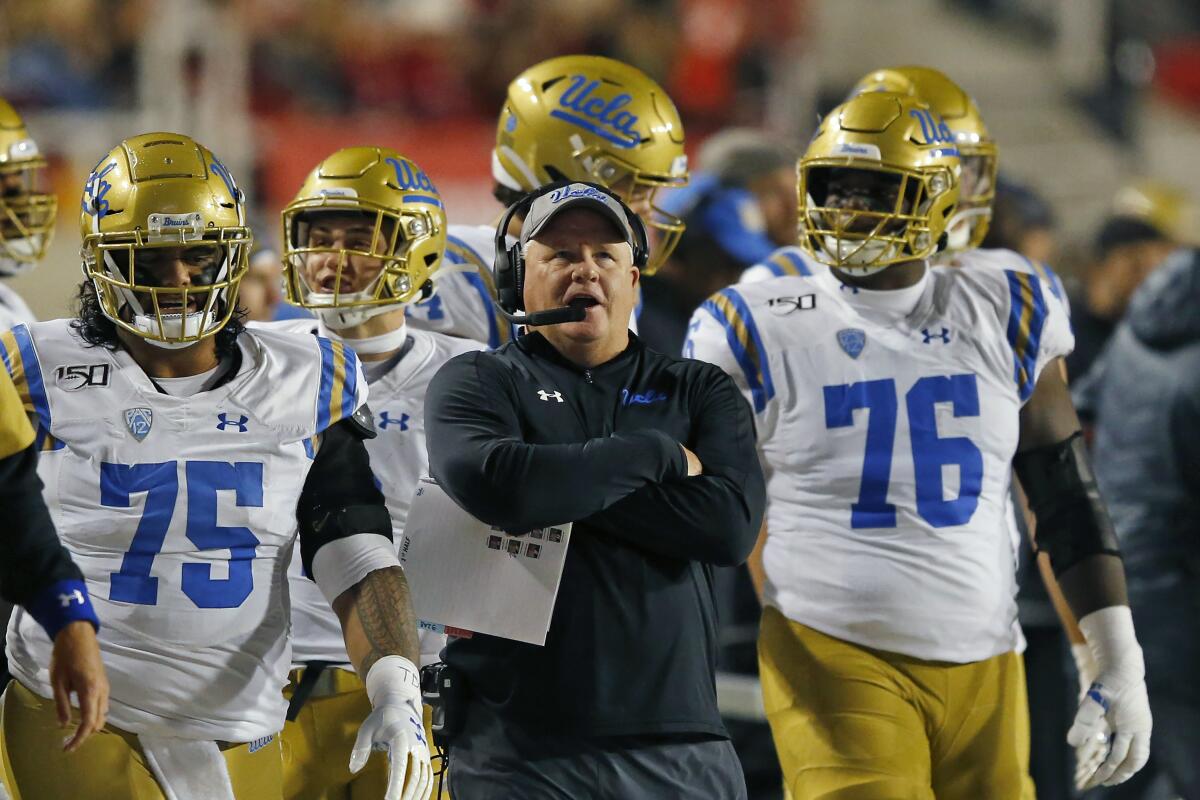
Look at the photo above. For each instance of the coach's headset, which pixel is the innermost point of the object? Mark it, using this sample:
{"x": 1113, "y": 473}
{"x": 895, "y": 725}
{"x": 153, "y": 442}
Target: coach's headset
{"x": 509, "y": 265}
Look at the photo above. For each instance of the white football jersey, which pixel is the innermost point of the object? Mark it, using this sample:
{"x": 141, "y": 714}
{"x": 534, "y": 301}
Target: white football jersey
{"x": 13, "y": 309}
{"x": 783, "y": 262}
{"x": 462, "y": 303}
{"x": 398, "y": 459}
{"x": 181, "y": 513}
{"x": 887, "y": 438}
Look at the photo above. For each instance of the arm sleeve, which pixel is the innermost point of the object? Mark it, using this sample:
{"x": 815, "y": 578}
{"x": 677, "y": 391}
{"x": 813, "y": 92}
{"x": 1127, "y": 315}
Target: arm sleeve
{"x": 714, "y": 517}
{"x": 340, "y": 498}
{"x": 36, "y": 568}
{"x": 478, "y": 455}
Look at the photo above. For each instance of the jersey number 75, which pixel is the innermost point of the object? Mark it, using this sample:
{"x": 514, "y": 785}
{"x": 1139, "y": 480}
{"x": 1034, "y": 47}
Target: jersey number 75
{"x": 133, "y": 583}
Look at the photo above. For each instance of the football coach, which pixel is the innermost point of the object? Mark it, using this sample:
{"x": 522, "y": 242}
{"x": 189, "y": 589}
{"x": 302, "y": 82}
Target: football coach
{"x": 653, "y": 459}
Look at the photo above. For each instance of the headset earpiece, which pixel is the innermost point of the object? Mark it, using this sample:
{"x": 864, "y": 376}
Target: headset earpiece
{"x": 516, "y": 261}
{"x": 641, "y": 240}
{"x": 507, "y": 267}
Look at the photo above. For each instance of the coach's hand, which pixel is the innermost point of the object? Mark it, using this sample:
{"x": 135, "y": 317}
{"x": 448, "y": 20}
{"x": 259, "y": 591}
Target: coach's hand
{"x": 1111, "y": 733}
{"x": 395, "y": 726}
{"x": 694, "y": 467}
{"x": 75, "y": 666}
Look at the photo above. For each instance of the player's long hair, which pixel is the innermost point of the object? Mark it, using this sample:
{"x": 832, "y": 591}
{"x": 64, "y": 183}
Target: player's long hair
{"x": 100, "y": 331}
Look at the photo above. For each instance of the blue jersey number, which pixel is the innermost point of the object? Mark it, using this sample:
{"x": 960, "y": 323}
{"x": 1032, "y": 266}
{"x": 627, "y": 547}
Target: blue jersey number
{"x": 432, "y": 307}
{"x": 160, "y": 483}
{"x": 930, "y": 452}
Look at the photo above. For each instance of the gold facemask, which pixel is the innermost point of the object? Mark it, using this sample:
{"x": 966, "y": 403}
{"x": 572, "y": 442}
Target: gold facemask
{"x": 157, "y": 204}
{"x": 899, "y": 144}
{"x": 27, "y": 212}
{"x": 403, "y": 227}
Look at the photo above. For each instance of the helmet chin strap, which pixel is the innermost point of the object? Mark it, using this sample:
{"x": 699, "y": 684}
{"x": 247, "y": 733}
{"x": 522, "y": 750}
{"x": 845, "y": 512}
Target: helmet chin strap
{"x": 860, "y": 257}
{"x": 176, "y": 325}
{"x": 341, "y": 318}
{"x": 370, "y": 345}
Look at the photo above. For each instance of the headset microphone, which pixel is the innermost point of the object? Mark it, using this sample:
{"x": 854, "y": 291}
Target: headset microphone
{"x": 550, "y": 316}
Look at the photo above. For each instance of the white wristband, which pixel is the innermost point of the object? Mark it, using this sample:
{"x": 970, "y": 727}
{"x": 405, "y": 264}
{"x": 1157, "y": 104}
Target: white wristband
{"x": 342, "y": 563}
{"x": 393, "y": 675}
{"x": 1110, "y": 637}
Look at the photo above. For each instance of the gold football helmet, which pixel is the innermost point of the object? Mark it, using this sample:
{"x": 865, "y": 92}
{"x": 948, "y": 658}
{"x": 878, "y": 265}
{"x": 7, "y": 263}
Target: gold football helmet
{"x": 589, "y": 118}
{"x": 156, "y": 201}
{"x": 976, "y": 147}
{"x": 1163, "y": 205}
{"x": 26, "y": 211}
{"x": 404, "y": 228}
{"x": 895, "y": 146}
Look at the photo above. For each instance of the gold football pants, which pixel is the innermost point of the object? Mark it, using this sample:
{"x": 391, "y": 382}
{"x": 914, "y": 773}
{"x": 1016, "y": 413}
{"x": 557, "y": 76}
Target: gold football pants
{"x": 316, "y": 747}
{"x": 852, "y": 723}
{"x": 110, "y": 764}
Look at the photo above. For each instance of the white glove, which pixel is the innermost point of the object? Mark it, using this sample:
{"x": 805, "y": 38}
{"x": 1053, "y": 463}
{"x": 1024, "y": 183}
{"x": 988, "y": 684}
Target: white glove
{"x": 1090, "y": 755}
{"x": 395, "y": 726}
{"x": 1114, "y": 715}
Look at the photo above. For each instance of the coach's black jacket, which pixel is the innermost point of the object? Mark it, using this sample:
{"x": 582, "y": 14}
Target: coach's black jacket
{"x": 522, "y": 438}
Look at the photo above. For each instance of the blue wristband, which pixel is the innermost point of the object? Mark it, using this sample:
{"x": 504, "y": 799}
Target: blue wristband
{"x": 60, "y": 604}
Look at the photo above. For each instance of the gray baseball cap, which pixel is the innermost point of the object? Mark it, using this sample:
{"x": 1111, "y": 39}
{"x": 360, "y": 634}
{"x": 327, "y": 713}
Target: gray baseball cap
{"x": 575, "y": 195}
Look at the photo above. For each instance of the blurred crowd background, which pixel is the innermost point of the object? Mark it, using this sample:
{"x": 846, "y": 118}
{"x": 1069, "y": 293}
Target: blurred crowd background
{"x": 1095, "y": 105}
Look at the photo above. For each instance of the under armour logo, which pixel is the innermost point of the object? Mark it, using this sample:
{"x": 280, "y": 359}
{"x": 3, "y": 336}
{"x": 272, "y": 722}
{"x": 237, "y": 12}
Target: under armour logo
{"x": 929, "y": 337}
{"x": 546, "y": 397}
{"x": 75, "y": 596}
{"x": 224, "y": 422}
{"x": 385, "y": 420}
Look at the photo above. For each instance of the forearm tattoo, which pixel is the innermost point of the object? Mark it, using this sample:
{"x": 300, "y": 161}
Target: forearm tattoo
{"x": 384, "y": 610}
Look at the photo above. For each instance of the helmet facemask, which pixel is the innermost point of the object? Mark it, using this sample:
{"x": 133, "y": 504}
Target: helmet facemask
{"x": 862, "y": 219}
{"x": 969, "y": 224}
{"x": 389, "y": 256}
{"x": 131, "y": 271}
{"x": 27, "y": 216}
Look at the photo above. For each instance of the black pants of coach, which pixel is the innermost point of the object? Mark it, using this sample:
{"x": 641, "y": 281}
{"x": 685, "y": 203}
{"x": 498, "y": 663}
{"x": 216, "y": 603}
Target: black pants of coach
{"x": 491, "y": 761}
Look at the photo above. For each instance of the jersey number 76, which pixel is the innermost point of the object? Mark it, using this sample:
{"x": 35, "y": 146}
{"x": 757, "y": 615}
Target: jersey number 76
{"x": 930, "y": 452}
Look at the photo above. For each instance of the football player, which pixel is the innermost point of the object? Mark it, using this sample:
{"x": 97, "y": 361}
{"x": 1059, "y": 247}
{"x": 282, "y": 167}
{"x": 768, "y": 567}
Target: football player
{"x": 581, "y": 118}
{"x": 180, "y": 454}
{"x": 895, "y": 399}
{"x": 26, "y": 224}
{"x": 38, "y": 573}
{"x": 362, "y": 236}
{"x": 26, "y": 211}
